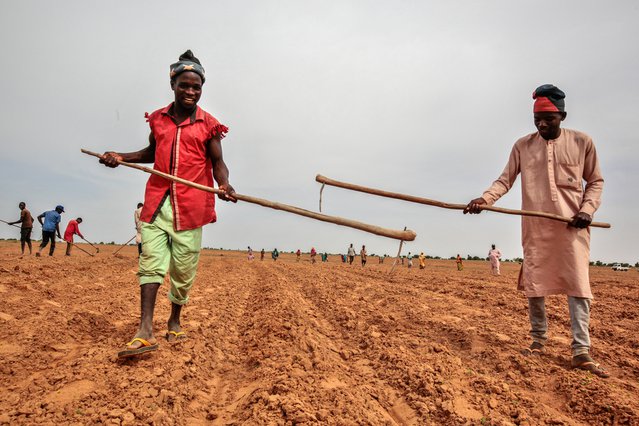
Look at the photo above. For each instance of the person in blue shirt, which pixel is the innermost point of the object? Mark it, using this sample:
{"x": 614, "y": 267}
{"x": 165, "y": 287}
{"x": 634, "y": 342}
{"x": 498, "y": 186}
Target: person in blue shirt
{"x": 50, "y": 227}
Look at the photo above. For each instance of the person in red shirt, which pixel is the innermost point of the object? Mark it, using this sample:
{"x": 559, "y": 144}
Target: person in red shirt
{"x": 185, "y": 141}
{"x": 73, "y": 228}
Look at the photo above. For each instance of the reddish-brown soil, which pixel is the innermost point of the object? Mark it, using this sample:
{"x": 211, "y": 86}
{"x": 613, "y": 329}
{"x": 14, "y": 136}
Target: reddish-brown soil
{"x": 287, "y": 343}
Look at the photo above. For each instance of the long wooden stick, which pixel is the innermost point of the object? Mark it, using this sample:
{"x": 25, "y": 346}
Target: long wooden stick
{"x": 78, "y": 247}
{"x": 407, "y": 235}
{"x": 413, "y": 199}
{"x": 97, "y": 250}
{"x": 10, "y": 224}
{"x": 125, "y": 244}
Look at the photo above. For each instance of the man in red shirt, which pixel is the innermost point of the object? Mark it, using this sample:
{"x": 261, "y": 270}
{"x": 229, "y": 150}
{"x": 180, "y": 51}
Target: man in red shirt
{"x": 73, "y": 228}
{"x": 185, "y": 141}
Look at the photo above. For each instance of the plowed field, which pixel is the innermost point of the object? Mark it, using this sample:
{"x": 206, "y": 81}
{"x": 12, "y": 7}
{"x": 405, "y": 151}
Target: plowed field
{"x": 288, "y": 343}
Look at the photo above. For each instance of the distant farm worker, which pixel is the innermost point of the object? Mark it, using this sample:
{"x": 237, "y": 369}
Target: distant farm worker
{"x": 262, "y": 254}
{"x": 250, "y": 253}
{"x": 363, "y": 254}
{"x": 73, "y": 228}
{"x": 410, "y": 260}
{"x": 50, "y": 228}
{"x": 325, "y": 257}
{"x": 298, "y": 254}
{"x": 138, "y": 227}
{"x": 422, "y": 260}
{"x": 185, "y": 141}
{"x": 275, "y": 254}
{"x": 554, "y": 164}
{"x": 493, "y": 256}
{"x": 26, "y": 226}
{"x": 313, "y": 254}
{"x": 351, "y": 254}
{"x": 460, "y": 263}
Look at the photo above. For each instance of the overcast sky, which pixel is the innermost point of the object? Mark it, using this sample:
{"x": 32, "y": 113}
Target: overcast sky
{"x": 425, "y": 98}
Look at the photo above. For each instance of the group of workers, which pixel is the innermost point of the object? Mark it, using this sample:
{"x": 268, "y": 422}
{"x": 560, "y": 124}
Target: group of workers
{"x": 494, "y": 256}
{"x": 50, "y": 222}
{"x": 554, "y": 163}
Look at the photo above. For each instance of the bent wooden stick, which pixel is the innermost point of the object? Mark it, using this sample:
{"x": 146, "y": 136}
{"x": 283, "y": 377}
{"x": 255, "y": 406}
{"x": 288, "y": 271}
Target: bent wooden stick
{"x": 407, "y": 235}
{"x": 413, "y": 199}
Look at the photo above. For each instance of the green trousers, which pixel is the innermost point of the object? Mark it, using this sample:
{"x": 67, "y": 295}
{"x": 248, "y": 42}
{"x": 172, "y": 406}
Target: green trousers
{"x": 165, "y": 249}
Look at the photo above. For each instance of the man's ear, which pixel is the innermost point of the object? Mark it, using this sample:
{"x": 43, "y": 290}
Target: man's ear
{"x": 173, "y": 85}
{"x": 564, "y": 114}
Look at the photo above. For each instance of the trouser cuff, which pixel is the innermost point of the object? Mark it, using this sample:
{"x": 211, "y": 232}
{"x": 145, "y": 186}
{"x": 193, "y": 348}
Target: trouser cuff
{"x": 580, "y": 351}
{"x": 151, "y": 279}
{"x": 177, "y": 301}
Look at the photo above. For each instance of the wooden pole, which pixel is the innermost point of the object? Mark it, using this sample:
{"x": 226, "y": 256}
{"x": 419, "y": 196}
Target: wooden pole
{"x": 320, "y": 202}
{"x": 10, "y": 224}
{"x": 397, "y": 259}
{"x": 124, "y": 245}
{"x": 407, "y": 235}
{"x": 78, "y": 247}
{"x": 97, "y": 250}
{"x": 413, "y": 199}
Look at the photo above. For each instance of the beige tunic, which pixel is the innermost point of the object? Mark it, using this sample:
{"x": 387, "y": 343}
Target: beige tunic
{"x": 556, "y": 256}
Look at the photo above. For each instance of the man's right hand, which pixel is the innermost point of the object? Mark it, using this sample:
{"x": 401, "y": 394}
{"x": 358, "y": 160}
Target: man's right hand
{"x": 111, "y": 159}
{"x": 475, "y": 206}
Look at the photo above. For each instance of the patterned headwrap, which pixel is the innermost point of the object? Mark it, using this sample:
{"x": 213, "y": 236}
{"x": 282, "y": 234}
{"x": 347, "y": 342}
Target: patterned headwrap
{"x": 548, "y": 98}
{"x": 187, "y": 62}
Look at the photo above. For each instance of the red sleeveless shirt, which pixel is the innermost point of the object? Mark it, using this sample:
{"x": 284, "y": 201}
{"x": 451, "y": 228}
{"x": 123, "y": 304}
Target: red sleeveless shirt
{"x": 182, "y": 150}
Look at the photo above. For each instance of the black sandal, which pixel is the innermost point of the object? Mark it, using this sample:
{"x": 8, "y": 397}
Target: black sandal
{"x": 535, "y": 349}
{"x": 585, "y": 362}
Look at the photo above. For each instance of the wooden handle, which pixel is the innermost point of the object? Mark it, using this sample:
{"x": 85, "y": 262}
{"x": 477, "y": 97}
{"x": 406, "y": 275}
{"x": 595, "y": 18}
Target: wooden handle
{"x": 89, "y": 243}
{"x": 124, "y": 245}
{"x": 407, "y": 235}
{"x": 10, "y": 224}
{"x": 413, "y": 199}
{"x": 78, "y": 247}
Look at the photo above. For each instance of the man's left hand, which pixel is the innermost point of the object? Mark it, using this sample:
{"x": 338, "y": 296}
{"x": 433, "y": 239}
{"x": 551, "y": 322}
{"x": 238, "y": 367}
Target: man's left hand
{"x": 226, "y": 193}
{"x": 581, "y": 220}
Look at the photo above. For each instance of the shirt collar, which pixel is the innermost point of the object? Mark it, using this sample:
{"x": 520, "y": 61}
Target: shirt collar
{"x": 197, "y": 115}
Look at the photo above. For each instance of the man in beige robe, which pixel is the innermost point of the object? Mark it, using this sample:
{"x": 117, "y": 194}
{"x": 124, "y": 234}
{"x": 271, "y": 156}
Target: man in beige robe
{"x": 554, "y": 163}
{"x": 494, "y": 255}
